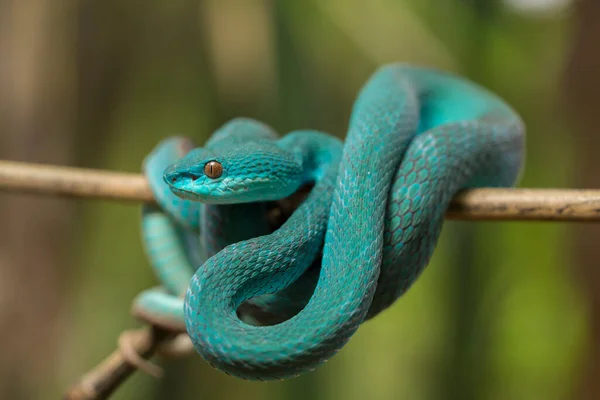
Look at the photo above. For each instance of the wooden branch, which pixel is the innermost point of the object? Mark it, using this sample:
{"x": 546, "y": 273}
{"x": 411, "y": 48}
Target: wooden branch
{"x": 101, "y": 381}
{"x": 73, "y": 182}
{"x": 477, "y": 204}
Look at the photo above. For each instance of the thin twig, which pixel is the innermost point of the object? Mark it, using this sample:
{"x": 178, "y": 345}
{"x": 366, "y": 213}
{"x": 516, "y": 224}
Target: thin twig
{"x": 101, "y": 381}
{"x": 73, "y": 182}
{"x": 476, "y": 204}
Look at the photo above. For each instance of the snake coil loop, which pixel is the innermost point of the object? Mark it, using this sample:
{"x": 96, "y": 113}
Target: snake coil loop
{"x": 360, "y": 239}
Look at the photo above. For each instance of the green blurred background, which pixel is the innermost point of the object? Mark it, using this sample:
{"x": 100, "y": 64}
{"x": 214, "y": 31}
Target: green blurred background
{"x": 504, "y": 311}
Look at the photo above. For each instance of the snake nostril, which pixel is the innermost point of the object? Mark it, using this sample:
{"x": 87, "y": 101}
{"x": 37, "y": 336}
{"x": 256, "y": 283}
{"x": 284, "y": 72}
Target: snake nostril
{"x": 176, "y": 178}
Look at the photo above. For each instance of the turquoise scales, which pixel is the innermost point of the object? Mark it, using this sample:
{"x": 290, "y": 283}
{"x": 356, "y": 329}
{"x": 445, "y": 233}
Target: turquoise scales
{"x": 416, "y": 136}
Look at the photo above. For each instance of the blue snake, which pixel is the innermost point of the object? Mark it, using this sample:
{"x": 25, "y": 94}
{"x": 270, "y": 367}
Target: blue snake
{"x": 265, "y": 304}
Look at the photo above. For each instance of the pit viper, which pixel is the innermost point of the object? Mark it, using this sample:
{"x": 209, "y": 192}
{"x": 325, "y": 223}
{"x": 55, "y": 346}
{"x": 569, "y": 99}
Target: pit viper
{"x": 265, "y": 304}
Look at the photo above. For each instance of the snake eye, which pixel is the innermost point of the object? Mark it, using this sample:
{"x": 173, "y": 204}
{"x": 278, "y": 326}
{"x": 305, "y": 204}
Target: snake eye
{"x": 213, "y": 169}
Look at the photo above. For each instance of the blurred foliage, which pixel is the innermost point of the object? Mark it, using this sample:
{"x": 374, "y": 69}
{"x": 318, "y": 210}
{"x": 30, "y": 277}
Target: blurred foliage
{"x": 495, "y": 316}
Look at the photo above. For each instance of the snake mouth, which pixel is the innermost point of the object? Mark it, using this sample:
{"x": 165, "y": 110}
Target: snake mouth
{"x": 183, "y": 193}
{"x": 213, "y": 193}
{"x": 199, "y": 193}
{"x": 226, "y": 191}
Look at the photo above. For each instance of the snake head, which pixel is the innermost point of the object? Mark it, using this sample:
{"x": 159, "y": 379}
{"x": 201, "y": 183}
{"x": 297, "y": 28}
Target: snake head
{"x": 241, "y": 173}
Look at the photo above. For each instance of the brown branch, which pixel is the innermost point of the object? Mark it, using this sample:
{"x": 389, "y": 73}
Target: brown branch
{"x": 73, "y": 182}
{"x": 477, "y": 204}
{"x": 101, "y": 381}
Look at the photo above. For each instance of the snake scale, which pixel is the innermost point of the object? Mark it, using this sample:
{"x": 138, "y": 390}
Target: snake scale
{"x": 267, "y": 304}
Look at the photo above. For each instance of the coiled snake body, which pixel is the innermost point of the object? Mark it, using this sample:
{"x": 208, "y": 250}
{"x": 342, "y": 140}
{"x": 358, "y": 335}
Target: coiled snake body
{"x": 416, "y": 136}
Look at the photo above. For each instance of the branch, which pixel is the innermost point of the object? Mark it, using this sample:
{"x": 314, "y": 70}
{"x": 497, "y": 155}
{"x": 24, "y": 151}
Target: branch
{"x": 476, "y": 204}
{"x": 101, "y": 381}
{"x": 73, "y": 182}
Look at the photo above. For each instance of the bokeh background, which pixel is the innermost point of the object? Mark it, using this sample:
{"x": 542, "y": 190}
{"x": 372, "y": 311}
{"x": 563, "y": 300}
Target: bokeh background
{"x": 505, "y": 310}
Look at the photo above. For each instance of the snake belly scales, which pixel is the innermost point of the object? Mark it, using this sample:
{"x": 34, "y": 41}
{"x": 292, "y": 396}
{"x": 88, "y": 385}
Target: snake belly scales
{"x": 267, "y": 304}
